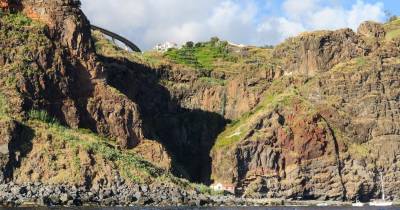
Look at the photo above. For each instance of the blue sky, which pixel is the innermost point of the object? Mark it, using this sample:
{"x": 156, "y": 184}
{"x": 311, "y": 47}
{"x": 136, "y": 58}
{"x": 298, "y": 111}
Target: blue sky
{"x": 252, "y": 22}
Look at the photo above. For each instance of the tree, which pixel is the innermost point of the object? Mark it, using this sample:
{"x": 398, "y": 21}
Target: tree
{"x": 389, "y": 16}
{"x": 214, "y": 40}
{"x": 199, "y": 44}
{"x": 224, "y": 44}
{"x": 393, "y": 18}
{"x": 189, "y": 44}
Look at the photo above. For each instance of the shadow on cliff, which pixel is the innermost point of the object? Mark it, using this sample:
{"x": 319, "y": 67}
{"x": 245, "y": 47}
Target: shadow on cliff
{"x": 188, "y": 135}
{"x": 18, "y": 148}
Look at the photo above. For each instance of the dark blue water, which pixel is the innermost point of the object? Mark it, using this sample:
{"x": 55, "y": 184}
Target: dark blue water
{"x": 213, "y": 208}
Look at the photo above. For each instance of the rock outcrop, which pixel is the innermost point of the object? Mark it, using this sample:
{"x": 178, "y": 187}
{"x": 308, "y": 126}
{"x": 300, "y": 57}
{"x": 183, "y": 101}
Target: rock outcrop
{"x": 316, "y": 52}
{"x": 71, "y": 83}
{"x": 325, "y": 136}
{"x": 371, "y": 29}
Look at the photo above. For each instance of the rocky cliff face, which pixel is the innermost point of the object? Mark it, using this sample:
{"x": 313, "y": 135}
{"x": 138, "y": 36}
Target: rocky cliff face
{"x": 48, "y": 63}
{"x": 315, "y": 117}
{"x": 326, "y": 128}
{"x": 68, "y": 81}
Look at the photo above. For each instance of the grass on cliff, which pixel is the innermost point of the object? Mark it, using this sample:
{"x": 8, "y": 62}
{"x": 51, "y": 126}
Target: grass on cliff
{"x": 279, "y": 94}
{"x": 18, "y": 20}
{"x": 359, "y": 151}
{"x": 3, "y": 106}
{"x": 131, "y": 166}
{"x": 392, "y": 29}
{"x": 202, "y": 55}
{"x": 393, "y": 34}
{"x": 214, "y": 55}
{"x": 355, "y": 64}
{"x": 21, "y": 39}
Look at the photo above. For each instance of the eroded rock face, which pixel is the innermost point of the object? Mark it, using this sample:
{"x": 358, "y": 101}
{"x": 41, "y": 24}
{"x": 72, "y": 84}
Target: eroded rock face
{"x": 334, "y": 139}
{"x": 329, "y": 124}
{"x": 371, "y": 29}
{"x": 319, "y": 51}
{"x": 240, "y": 94}
{"x": 115, "y": 115}
{"x": 286, "y": 153}
{"x": 71, "y": 83}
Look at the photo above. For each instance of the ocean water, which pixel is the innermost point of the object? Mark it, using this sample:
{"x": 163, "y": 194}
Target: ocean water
{"x": 214, "y": 208}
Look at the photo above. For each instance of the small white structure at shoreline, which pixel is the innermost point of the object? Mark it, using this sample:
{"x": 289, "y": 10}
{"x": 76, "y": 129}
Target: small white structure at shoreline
{"x": 221, "y": 187}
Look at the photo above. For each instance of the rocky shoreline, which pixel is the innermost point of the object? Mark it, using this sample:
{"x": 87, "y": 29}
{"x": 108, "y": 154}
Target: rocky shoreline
{"x": 161, "y": 195}
{"x": 38, "y": 194}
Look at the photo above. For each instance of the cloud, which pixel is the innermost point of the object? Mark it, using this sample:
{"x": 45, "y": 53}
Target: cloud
{"x": 297, "y": 9}
{"x": 148, "y": 22}
{"x": 274, "y": 30}
{"x": 338, "y": 17}
{"x": 361, "y": 11}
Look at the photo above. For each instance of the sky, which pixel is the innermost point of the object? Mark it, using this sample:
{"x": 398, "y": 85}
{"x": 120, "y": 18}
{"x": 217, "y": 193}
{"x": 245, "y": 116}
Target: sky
{"x": 250, "y": 22}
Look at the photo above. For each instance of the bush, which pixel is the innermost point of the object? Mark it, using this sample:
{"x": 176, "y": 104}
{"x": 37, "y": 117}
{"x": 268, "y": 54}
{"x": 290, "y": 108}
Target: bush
{"x": 203, "y": 55}
{"x": 43, "y": 116}
{"x": 189, "y": 44}
{"x": 3, "y": 105}
{"x": 214, "y": 40}
{"x": 268, "y": 46}
{"x": 393, "y": 18}
{"x": 18, "y": 20}
{"x": 199, "y": 44}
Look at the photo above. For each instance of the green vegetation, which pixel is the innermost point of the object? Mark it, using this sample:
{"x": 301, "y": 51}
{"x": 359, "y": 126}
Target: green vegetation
{"x": 3, "y": 106}
{"x": 393, "y": 18}
{"x": 281, "y": 94}
{"x": 17, "y": 20}
{"x": 22, "y": 39}
{"x": 393, "y": 34}
{"x": 206, "y": 190}
{"x": 131, "y": 166}
{"x": 355, "y": 64}
{"x": 202, "y": 55}
{"x": 213, "y": 81}
{"x": 214, "y": 55}
{"x": 360, "y": 151}
{"x": 42, "y": 116}
{"x": 392, "y": 29}
{"x": 65, "y": 140}
{"x": 277, "y": 95}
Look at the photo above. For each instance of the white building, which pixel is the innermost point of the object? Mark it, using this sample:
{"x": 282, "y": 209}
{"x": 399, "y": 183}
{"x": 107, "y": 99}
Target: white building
{"x": 165, "y": 46}
{"x": 223, "y": 187}
{"x": 236, "y": 45}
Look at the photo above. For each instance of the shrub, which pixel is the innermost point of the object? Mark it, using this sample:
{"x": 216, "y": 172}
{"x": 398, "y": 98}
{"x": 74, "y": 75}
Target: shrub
{"x": 393, "y": 18}
{"x": 202, "y": 55}
{"x": 189, "y": 44}
{"x": 18, "y": 20}
{"x": 214, "y": 40}
{"x": 199, "y": 44}
{"x": 43, "y": 116}
{"x": 3, "y": 105}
